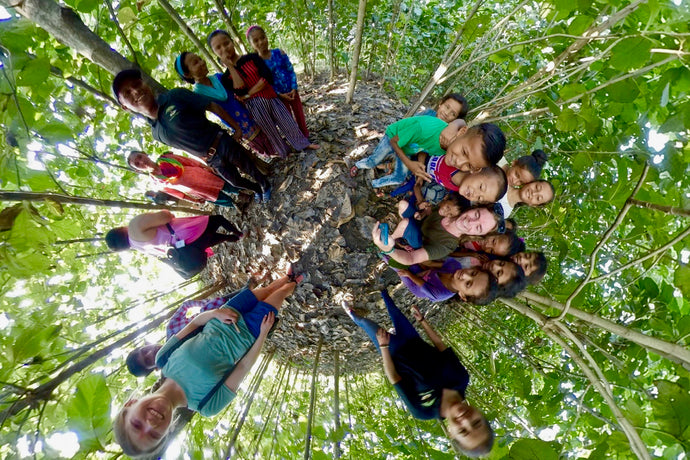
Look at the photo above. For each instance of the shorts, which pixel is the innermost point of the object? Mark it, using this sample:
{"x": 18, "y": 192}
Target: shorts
{"x": 251, "y": 309}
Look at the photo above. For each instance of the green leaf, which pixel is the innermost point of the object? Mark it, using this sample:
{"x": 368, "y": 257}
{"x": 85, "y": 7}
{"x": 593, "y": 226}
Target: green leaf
{"x": 634, "y": 413}
{"x": 579, "y": 25}
{"x": 35, "y": 72}
{"x": 126, "y": 16}
{"x": 571, "y": 90}
{"x": 624, "y": 91}
{"x": 671, "y": 409}
{"x": 630, "y": 53}
{"x": 88, "y": 412}
{"x": 567, "y": 121}
{"x": 532, "y": 449}
{"x": 56, "y": 131}
{"x": 681, "y": 280}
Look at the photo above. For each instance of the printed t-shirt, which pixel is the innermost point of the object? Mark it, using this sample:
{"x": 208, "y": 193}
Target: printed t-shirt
{"x": 438, "y": 243}
{"x": 202, "y": 361}
{"x": 424, "y": 132}
{"x": 182, "y": 122}
{"x": 424, "y": 373}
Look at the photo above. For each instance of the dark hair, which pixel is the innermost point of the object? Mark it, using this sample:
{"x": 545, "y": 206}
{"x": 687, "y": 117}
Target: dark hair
{"x": 485, "y": 447}
{"x": 533, "y": 163}
{"x": 515, "y": 285}
{"x": 181, "y": 68}
{"x": 460, "y": 99}
{"x": 489, "y": 295}
{"x": 134, "y": 365}
{"x": 131, "y": 154}
{"x": 516, "y": 243}
{"x": 254, "y": 27}
{"x": 494, "y": 142}
{"x": 121, "y": 77}
{"x": 503, "y": 180}
{"x": 538, "y": 274}
{"x": 456, "y": 199}
{"x": 117, "y": 239}
{"x": 213, "y": 34}
{"x": 512, "y": 225}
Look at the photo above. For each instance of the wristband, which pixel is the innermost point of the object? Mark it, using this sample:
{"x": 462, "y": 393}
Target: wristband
{"x": 383, "y": 346}
{"x": 388, "y": 252}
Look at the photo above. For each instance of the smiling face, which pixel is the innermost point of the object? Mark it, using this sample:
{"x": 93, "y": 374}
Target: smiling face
{"x": 536, "y": 193}
{"x": 467, "y": 425}
{"x": 258, "y": 40}
{"x": 466, "y": 152}
{"x": 502, "y": 270}
{"x": 470, "y": 283}
{"x": 449, "y": 110}
{"x": 146, "y": 420}
{"x": 498, "y": 245}
{"x": 141, "y": 162}
{"x": 519, "y": 175}
{"x": 476, "y": 222}
{"x": 447, "y": 208}
{"x": 137, "y": 96}
{"x": 196, "y": 66}
{"x": 526, "y": 260}
{"x": 482, "y": 187}
{"x": 223, "y": 47}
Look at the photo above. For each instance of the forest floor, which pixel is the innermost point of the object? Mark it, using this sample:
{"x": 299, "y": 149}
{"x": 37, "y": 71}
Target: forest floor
{"x": 320, "y": 219}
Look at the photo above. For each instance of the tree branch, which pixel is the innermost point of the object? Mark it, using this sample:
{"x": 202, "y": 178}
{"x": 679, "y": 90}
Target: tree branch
{"x": 121, "y": 32}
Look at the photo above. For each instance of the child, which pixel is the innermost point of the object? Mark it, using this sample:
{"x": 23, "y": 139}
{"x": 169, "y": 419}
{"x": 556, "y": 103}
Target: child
{"x": 525, "y": 169}
{"x": 284, "y": 78}
{"x": 503, "y": 245}
{"x": 423, "y": 131}
{"x": 451, "y": 107}
{"x": 534, "y": 194}
{"x": 533, "y": 264}
{"x": 409, "y": 228}
{"x": 192, "y": 69}
{"x": 510, "y": 276}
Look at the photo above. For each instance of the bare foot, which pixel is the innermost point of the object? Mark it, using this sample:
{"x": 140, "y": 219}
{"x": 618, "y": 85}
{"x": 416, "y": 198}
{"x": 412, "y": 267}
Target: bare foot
{"x": 313, "y": 147}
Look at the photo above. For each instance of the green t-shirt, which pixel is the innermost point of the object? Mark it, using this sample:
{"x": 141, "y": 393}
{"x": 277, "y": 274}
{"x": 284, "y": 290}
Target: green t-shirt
{"x": 437, "y": 242}
{"x": 202, "y": 361}
{"x": 423, "y": 132}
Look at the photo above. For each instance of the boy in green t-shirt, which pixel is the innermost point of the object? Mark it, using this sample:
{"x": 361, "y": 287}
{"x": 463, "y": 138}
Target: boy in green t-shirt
{"x": 404, "y": 138}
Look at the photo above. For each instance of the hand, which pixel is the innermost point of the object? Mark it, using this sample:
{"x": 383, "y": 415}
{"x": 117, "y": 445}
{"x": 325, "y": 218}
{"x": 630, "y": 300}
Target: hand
{"x": 293, "y": 94}
{"x": 224, "y": 315}
{"x": 383, "y": 337}
{"x": 237, "y": 135}
{"x": 481, "y": 257}
{"x": 267, "y": 324}
{"x": 286, "y": 96}
{"x": 405, "y": 273}
{"x": 448, "y": 135}
{"x": 376, "y": 236}
{"x": 417, "y": 314}
{"x": 419, "y": 170}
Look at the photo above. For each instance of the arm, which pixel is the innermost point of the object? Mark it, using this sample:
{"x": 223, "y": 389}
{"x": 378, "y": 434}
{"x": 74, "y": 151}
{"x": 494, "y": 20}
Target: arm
{"x": 408, "y": 258}
{"x": 417, "y": 168}
{"x": 225, "y": 116}
{"x": 237, "y": 81}
{"x": 415, "y": 279}
{"x": 224, "y": 315}
{"x": 383, "y": 338}
{"x": 149, "y": 221}
{"x": 449, "y": 133}
{"x": 245, "y": 364}
{"x": 182, "y": 196}
{"x": 433, "y": 336}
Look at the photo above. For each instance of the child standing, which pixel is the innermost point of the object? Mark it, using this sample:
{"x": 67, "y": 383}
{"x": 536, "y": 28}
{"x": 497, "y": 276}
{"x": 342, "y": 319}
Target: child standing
{"x": 284, "y": 78}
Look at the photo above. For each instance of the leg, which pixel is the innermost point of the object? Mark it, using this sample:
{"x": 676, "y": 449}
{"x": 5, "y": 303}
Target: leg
{"x": 400, "y": 229}
{"x": 298, "y": 112}
{"x": 220, "y": 221}
{"x": 277, "y": 297}
{"x": 398, "y": 176}
{"x": 260, "y": 111}
{"x": 241, "y": 158}
{"x": 380, "y": 153}
{"x": 404, "y": 330}
{"x": 288, "y": 125}
{"x": 263, "y": 293}
{"x": 369, "y": 327}
{"x": 230, "y": 174}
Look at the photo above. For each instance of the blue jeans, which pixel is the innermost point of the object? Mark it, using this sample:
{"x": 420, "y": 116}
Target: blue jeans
{"x": 381, "y": 152}
{"x": 404, "y": 330}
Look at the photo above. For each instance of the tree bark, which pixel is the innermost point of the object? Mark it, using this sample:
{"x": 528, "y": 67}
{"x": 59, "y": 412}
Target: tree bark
{"x": 389, "y": 42}
{"x": 331, "y": 41}
{"x": 167, "y": 7}
{"x": 336, "y": 403}
{"x": 361, "y": 12}
{"x": 669, "y": 350}
{"x": 40, "y": 196}
{"x": 312, "y": 400}
{"x": 67, "y": 27}
{"x": 232, "y": 30}
{"x": 676, "y": 211}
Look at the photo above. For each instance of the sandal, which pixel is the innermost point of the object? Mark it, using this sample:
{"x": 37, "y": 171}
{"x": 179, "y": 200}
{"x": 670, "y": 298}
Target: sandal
{"x": 353, "y": 171}
{"x": 294, "y": 277}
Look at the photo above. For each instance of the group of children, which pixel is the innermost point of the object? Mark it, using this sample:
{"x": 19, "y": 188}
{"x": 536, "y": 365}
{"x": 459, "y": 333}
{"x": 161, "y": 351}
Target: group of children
{"x": 454, "y": 238}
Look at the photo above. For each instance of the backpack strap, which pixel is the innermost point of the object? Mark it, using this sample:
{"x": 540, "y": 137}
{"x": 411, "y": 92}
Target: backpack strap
{"x": 164, "y": 358}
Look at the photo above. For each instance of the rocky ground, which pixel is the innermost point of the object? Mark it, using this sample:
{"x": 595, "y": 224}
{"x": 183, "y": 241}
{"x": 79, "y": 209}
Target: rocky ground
{"x": 320, "y": 219}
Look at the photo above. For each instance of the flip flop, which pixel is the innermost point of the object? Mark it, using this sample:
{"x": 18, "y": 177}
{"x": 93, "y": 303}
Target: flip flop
{"x": 353, "y": 171}
{"x": 294, "y": 277}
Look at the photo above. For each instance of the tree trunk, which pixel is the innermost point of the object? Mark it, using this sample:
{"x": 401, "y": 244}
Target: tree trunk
{"x": 239, "y": 43}
{"x": 389, "y": 42}
{"x": 331, "y": 41}
{"x": 361, "y": 12}
{"x": 336, "y": 403}
{"x": 282, "y": 392}
{"x": 676, "y": 211}
{"x": 450, "y": 57}
{"x": 312, "y": 400}
{"x": 40, "y": 196}
{"x": 81, "y": 84}
{"x": 669, "y": 350}
{"x": 67, "y": 27}
{"x": 188, "y": 32}
{"x": 262, "y": 370}
{"x": 80, "y": 240}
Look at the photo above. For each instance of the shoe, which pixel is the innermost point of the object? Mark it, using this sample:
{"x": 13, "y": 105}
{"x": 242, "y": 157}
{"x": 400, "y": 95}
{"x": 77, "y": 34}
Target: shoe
{"x": 353, "y": 171}
{"x": 294, "y": 277}
{"x": 266, "y": 196}
{"x": 258, "y": 197}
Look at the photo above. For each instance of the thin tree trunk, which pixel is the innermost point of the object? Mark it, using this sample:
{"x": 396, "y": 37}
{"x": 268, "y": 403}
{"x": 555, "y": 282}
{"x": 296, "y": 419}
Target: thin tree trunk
{"x": 389, "y": 42}
{"x": 121, "y": 32}
{"x": 336, "y": 403}
{"x": 669, "y": 350}
{"x": 188, "y": 32}
{"x": 40, "y": 196}
{"x": 331, "y": 41}
{"x": 81, "y": 84}
{"x": 80, "y": 240}
{"x": 231, "y": 27}
{"x": 283, "y": 410}
{"x": 262, "y": 370}
{"x": 67, "y": 27}
{"x": 676, "y": 211}
{"x": 270, "y": 403}
{"x": 449, "y": 58}
{"x": 361, "y": 12}
{"x": 312, "y": 400}
{"x": 283, "y": 392}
